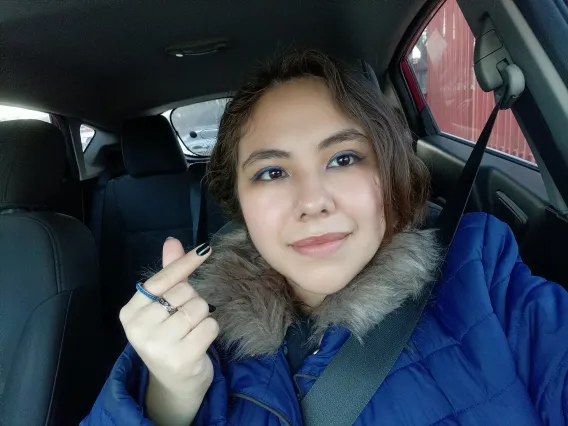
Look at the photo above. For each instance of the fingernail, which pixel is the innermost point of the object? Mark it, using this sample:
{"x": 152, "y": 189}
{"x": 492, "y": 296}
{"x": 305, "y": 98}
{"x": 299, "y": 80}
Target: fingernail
{"x": 170, "y": 238}
{"x": 203, "y": 249}
{"x": 212, "y": 308}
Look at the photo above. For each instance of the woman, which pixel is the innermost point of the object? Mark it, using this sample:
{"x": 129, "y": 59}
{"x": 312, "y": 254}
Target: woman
{"x": 332, "y": 200}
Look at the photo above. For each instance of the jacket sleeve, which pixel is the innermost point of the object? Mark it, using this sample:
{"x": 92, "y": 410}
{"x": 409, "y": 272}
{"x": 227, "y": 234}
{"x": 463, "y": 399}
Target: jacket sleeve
{"x": 214, "y": 407}
{"x": 534, "y": 314}
{"x": 121, "y": 401}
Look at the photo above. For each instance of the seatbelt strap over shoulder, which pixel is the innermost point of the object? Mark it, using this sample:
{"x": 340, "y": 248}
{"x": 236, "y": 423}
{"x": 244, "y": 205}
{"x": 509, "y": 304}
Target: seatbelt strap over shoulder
{"x": 452, "y": 212}
{"x": 356, "y": 372}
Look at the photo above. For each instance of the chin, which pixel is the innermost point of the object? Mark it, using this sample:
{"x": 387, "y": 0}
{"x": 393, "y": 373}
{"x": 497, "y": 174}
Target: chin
{"x": 323, "y": 281}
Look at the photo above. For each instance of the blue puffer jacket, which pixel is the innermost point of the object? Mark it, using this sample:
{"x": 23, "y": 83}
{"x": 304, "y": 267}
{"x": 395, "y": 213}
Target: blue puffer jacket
{"x": 492, "y": 348}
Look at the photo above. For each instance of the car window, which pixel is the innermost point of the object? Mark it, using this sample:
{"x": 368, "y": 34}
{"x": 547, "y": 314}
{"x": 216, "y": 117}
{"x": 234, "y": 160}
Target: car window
{"x": 442, "y": 60}
{"x": 87, "y": 134}
{"x": 197, "y": 125}
{"x": 15, "y": 113}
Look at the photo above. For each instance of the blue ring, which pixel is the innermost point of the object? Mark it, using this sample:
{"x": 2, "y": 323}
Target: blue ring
{"x": 146, "y": 293}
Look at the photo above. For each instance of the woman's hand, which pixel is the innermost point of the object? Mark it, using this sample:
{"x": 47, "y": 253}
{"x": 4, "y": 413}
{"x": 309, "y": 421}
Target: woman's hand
{"x": 173, "y": 347}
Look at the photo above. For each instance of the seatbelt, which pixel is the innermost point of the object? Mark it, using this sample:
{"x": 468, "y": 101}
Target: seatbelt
{"x": 195, "y": 202}
{"x": 198, "y": 212}
{"x": 356, "y": 372}
{"x": 452, "y": 212}
{"x": 96, "y": 221}
{"x": 203, "y": 230}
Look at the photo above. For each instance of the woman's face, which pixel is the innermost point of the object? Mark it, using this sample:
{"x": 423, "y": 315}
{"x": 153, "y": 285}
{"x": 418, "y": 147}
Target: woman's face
{"x": 309, "y": 189}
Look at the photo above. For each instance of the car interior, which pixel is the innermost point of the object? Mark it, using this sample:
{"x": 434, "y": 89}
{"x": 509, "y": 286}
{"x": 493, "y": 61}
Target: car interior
{"x": 108, "y": 112}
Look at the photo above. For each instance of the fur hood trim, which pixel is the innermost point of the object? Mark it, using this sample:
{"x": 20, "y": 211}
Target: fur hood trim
{"x": 255, "y": 305}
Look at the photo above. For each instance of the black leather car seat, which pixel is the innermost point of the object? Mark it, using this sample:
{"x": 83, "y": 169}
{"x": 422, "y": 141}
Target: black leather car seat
{"x": 50, "y": 313}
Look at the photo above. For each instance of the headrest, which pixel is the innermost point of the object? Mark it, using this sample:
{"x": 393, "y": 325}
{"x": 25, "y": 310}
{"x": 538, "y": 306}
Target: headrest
{"x": 150, "y": 147}
{"x": 370, "y": 74}
{"x": 32, "y": 162}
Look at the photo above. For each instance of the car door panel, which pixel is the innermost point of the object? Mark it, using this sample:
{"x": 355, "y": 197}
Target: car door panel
{"x": 512, "y": 192}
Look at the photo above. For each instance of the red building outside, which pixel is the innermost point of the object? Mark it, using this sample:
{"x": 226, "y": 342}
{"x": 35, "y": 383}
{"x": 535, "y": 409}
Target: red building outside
{"x": 442, "y": 60}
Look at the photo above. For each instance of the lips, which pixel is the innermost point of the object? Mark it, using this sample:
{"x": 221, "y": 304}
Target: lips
{"x": 321, "y": 245}
{"x": 322, "y": 239}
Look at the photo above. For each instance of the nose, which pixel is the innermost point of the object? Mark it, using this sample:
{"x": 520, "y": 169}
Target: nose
{"x": 314, "y": 198}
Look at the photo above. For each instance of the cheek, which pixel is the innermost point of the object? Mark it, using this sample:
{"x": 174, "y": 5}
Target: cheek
{"x": 361, "y": 198}
{"x": 265, "y": 213}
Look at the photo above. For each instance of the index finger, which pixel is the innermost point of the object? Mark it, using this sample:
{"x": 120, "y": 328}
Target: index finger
{"x": 175, "y": 272}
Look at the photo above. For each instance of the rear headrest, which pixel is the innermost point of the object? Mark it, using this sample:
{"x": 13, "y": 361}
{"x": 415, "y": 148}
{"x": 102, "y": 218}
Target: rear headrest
{"x": 150, "y": 147}
{"x": 370, "y": 74}
{"x": 32, "y": 162}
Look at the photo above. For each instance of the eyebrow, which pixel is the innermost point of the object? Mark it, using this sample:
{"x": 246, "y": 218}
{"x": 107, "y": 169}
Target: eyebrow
{"x": 338, "y": 137}
{"x": 342, "y": 136}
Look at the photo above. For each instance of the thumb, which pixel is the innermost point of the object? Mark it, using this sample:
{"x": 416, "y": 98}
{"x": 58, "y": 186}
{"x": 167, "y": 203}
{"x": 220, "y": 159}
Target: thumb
{"x": 172, "y": 251}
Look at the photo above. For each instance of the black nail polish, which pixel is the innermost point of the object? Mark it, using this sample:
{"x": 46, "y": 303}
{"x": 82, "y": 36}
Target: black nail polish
{"x": 212, "y": 308}
{"x": 203, "y": 249}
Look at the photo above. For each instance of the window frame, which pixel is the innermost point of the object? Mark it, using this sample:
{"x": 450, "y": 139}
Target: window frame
{"x": 184, "y": 149}
{"x": 493, "y": 151}
{"x": 421, "y": 105}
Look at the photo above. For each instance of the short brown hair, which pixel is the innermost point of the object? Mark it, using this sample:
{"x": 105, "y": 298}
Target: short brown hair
{"x": 404, "y": 178}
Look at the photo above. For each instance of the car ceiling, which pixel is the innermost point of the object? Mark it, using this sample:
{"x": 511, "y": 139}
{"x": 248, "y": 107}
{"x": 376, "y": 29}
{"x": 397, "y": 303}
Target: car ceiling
{"x": 105, "y": 61}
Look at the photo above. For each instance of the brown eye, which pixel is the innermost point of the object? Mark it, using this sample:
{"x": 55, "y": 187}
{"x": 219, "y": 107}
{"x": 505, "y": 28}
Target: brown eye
{"x": 275, "y": 174}
{"x": 270, "y": 173}
{"x": 343, "y": 160}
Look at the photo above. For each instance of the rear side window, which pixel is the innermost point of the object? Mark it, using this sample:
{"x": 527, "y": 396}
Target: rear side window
{"x": 13, "y": 113}
{"x": 87, "y": 134}
{"x": 197, "y": 125}
{"x": 442, "y": 60}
